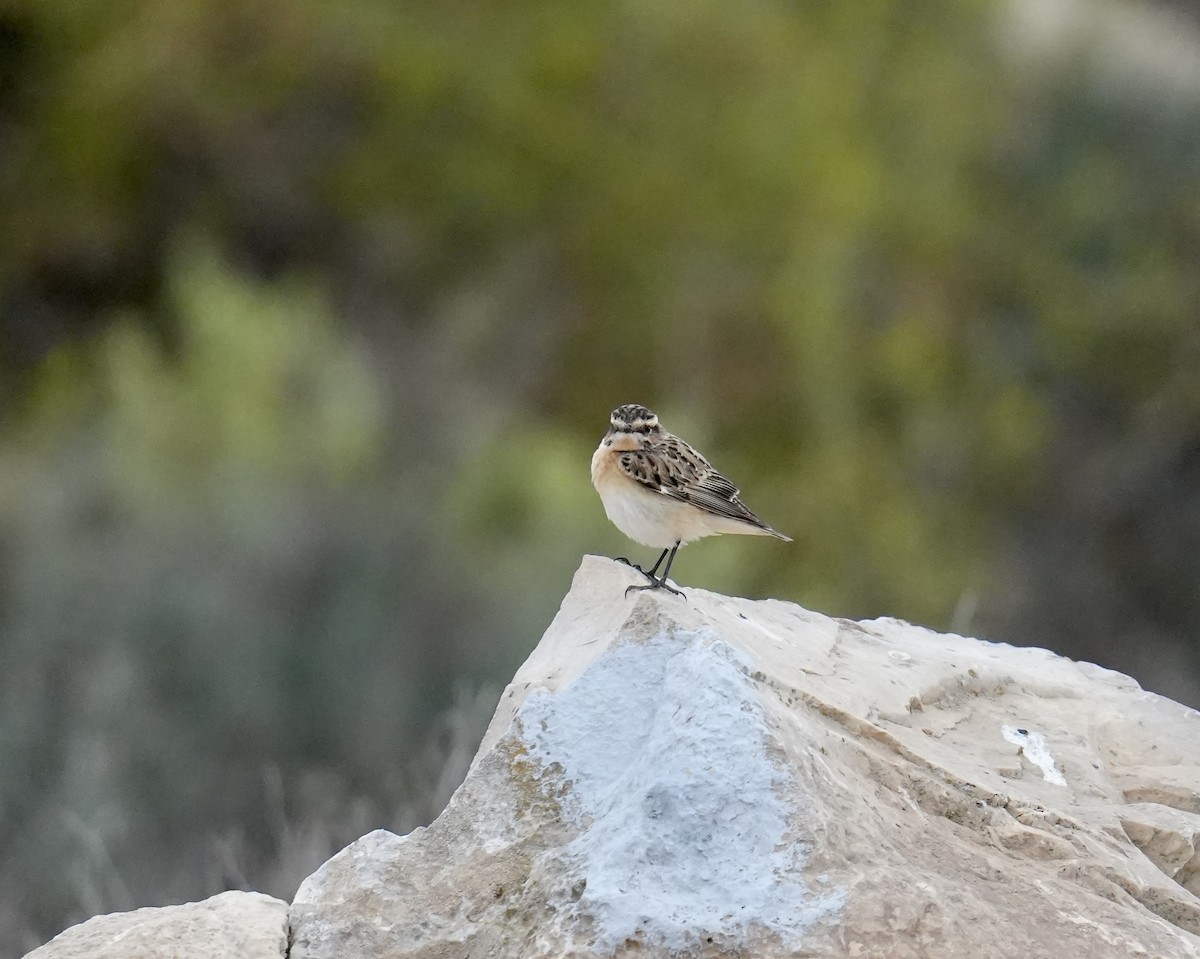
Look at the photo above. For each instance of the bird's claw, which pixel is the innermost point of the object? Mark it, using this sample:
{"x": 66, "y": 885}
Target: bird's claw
{"x": 645, "y": 572}
{"x": 655, "y": 584}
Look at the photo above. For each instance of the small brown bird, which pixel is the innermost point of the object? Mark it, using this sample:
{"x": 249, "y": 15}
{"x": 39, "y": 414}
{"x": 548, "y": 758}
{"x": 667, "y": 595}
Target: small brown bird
{"x": 660, "y": 492}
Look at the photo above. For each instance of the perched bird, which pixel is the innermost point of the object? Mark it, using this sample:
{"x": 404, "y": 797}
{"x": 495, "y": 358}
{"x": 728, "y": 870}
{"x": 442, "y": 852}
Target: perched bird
{"x": 660, "y": 492}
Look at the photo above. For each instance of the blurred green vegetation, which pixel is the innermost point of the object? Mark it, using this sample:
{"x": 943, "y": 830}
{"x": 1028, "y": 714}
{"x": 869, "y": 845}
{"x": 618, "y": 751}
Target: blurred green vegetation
{"x": 311, "y": 315}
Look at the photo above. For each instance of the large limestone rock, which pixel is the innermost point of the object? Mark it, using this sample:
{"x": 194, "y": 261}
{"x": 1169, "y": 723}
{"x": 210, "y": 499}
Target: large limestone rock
{"x": 233, "y": 925}
{"x": 720, "y": 777}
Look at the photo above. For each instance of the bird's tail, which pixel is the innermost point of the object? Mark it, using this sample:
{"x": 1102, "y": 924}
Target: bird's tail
{"x": 760, "y": 528}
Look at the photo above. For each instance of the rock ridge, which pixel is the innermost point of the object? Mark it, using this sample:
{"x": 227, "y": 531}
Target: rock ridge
{"x": 722, "y": 777}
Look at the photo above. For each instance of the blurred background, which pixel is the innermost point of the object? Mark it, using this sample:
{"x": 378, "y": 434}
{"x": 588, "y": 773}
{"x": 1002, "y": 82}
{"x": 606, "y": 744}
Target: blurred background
{"x": 312, "y": 313}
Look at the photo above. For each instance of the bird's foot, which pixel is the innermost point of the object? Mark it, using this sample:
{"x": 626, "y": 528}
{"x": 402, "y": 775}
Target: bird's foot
{"x": 647, "y": 573}
{"x": 655, "y": 584}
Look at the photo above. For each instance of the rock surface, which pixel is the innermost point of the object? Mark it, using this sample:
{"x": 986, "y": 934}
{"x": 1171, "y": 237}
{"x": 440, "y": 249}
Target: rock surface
{"x": 233, "y": 925}
{"x": 721, "y": 777}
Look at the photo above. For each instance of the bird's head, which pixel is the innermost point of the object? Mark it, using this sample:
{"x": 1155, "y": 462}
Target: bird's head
{"x": 633, "y": 426}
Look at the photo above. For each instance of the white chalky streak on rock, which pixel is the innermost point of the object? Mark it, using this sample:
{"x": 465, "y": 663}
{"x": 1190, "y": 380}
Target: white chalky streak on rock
{"x": 680, "y": 801}
{"x": 1036, "y": 751}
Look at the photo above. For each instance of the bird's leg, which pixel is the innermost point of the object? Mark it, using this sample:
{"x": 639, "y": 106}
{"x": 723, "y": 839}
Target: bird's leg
{"x": 650, "y": 573}
{"x": 661, "y": 581}
{"x": 658, "y": 563}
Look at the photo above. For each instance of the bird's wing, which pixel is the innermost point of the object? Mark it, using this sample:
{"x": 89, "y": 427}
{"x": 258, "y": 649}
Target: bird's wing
{"x": 678, "y": 471}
